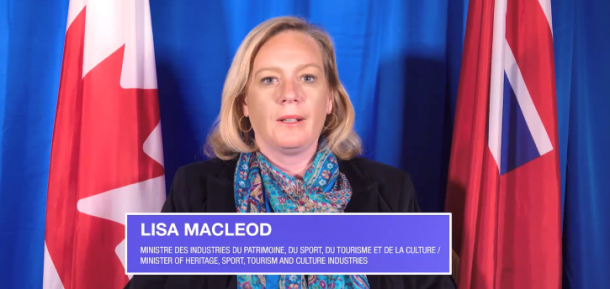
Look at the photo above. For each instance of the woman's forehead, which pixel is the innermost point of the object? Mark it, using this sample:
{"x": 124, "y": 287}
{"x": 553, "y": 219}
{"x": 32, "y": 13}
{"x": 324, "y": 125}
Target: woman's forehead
{"x": 290, "y": 47}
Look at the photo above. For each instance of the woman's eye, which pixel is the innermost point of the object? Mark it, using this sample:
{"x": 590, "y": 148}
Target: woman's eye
{"x": 268, "y": 80}
{"x": 309, "y": 78}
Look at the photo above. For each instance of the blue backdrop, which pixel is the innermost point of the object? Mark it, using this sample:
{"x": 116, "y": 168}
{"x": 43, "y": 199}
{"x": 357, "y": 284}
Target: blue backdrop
{"x": 399, "y": 61}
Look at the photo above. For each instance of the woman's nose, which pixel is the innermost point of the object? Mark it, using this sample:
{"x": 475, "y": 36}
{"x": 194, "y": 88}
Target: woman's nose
{"x": 290, "y": 92}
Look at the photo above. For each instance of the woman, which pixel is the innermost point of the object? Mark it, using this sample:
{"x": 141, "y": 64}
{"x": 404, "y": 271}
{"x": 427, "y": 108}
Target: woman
{"x": 285, "y": 114}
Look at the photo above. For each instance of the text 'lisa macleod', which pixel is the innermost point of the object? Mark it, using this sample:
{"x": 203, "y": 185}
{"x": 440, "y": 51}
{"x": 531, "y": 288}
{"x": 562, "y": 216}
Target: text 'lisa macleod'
{"x": 204, "y": 229}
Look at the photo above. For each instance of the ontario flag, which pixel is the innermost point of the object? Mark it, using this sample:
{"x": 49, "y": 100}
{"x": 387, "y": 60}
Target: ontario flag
{"x": 503, "y": 187}
{"x": 106, "y": 156}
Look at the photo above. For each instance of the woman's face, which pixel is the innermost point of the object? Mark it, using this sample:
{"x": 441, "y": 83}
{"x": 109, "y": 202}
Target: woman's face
{"x": 288, "y": 97}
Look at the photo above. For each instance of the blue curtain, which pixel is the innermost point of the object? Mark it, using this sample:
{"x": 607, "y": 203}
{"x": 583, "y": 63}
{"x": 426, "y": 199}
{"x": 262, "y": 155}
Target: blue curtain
{"x": 31, "y": 48}
{"x": 400, "y": 63}
{"x": 582, "y": 45}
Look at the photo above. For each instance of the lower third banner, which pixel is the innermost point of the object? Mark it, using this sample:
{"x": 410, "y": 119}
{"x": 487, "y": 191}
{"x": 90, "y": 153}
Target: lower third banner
{"x": 263, "y": 243}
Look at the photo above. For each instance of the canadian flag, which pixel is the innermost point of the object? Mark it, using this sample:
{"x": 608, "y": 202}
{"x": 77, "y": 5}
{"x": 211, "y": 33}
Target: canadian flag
{"x": 106, "y": 156}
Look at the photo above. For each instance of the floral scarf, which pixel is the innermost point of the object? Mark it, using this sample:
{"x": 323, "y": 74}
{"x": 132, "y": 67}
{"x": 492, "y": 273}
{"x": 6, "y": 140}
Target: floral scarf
{"x": 261, "y": 187}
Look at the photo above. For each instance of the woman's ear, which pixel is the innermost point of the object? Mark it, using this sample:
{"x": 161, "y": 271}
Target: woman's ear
{"x": 329, "y": 106}
{"x": 244, "y": 107}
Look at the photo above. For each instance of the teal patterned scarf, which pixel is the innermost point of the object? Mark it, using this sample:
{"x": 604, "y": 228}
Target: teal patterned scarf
{"x": 261, "y": 187}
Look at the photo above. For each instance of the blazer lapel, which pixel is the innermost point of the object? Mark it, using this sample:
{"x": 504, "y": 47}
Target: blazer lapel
{"x": 221, "y": 199}
{"x": 365, "y": 194}
{"x": 220, "y": 193}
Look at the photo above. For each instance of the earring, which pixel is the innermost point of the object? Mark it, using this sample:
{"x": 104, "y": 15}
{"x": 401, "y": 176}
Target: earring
{"x": 239, "y": 125}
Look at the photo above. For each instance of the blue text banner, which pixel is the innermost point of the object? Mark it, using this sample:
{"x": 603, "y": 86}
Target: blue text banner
{"x": 268, "y": 243}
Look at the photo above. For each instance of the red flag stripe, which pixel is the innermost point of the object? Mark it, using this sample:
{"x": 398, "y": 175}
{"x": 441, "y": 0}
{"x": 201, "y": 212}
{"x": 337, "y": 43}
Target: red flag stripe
{"x": 61, "y": 208}
{"x": 101, "y": 163}
{"x": 468, "y": 152}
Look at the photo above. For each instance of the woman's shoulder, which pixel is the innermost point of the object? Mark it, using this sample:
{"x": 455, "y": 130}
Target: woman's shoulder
{"x": 378, "y": 171}
{"x": 190, "y": 184}
{"x": 196, "y": 174}
{"x": 213, "y": 166}
{"x": 394, "y": 185}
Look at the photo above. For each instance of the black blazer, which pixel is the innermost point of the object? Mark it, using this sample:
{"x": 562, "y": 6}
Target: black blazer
{"x": 208, "y": 187}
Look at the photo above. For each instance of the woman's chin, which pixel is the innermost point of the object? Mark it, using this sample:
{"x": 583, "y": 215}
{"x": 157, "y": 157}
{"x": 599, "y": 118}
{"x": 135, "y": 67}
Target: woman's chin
{"x": 292, "y": 143}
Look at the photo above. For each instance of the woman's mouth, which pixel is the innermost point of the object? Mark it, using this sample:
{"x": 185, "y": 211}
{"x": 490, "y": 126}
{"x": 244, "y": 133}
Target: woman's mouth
{"x": 290, "y": 119}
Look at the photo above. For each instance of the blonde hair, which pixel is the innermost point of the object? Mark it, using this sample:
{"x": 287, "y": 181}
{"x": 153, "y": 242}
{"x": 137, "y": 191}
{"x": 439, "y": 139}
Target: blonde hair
{"x": 227, "y": 140}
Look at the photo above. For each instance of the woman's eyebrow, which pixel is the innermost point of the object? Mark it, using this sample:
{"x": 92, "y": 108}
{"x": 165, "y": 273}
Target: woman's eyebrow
{"x": 278, "y": 70}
